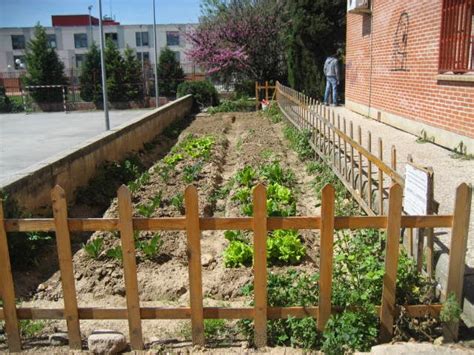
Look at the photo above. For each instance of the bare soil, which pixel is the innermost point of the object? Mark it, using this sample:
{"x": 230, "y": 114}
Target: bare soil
{"x": 241, "y": 139}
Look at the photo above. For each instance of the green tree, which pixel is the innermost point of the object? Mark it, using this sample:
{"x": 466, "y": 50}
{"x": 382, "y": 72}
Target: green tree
{"x": 315, "y": 29}
{"x": 44, "y": 68}
{"x": 170, "y": 73}
{"x": 90, "y": 77}
{"x": 132, "y": 76}
{"x": 114, "y": 68}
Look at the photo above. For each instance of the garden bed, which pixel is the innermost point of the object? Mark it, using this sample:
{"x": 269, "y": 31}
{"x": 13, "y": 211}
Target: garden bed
{"x": 224, "y": 155}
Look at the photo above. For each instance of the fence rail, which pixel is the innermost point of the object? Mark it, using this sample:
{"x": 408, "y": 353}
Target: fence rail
{"x": 193, "y": 224}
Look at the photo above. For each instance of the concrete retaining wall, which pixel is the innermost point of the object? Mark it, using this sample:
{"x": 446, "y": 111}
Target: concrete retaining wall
{"x": 73, "y": 168}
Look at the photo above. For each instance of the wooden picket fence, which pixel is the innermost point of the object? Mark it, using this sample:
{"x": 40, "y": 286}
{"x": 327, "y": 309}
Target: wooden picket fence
{"x": 363, "y": 172}
{"x": 332, "y": 138}
{"x": 193, "y": 225}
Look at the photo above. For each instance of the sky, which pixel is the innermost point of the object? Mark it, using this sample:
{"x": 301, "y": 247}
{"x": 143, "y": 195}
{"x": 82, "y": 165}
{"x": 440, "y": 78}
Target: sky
{"x": 26, "y": 13}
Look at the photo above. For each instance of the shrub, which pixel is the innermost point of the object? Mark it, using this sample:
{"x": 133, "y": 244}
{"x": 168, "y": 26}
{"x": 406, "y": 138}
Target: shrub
{"x": 350, "y": 331}
{"x": 5, "y": 103}
{"x": 204, "y": 93}
{"x": 240, "y": 105}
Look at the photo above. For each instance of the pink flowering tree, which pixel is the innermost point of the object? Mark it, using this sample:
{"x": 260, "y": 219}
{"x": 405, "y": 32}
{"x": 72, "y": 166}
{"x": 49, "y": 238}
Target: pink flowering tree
{"x": 239, "y": 40}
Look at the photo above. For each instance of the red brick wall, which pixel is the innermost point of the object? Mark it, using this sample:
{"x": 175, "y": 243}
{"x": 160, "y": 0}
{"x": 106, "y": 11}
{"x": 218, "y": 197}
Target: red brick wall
{"x": 414, "y": 93}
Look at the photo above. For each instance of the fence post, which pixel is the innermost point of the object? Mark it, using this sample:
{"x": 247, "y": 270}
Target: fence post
{"x": 387, "y": 310}
{"x": 457, "y": 253}
{"x": 7, "y": 290}
{"x": 63, "y": 242}
{"x": 260, "y": 264}
{"x": 193, "y": 232}
{"x": 326, "y": 255}
{"x": 380, "y": 178}
{"x": 125, "y": 226}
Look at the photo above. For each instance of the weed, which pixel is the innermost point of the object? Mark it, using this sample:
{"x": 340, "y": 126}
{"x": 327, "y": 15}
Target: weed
{"x": 246, "y": 176}
{"x": 451, "y": 310}
{"x": 94, "y": 247}
{"x": 266, "y": 154}
{"x": 30, "y": 328}
{"x": 292, "y": 288}
{"x": 115, "y": 253}
{"x": 142, "y": 180}
{"x": 150, "y": 248}
{"x": 424, "y": 138}
{"x": 24, "y": 248}
{"x": 147, "y": 209}
{"x": 191, "y": 172}
{"x": 243, "y": 104}
{"x": 214, "y": 328}
{"x": 460, "y": 152}
{"x": 350, "y": 331}
{"x": 299, "y": 141}
{"x": 177, "y": 201}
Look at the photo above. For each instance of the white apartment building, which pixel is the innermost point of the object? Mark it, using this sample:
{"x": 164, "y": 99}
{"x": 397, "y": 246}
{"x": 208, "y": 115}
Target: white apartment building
{"x": 72, "y": 42}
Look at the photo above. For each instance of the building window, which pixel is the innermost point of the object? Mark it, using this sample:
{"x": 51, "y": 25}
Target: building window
{"x": 177, "y": 55}
{"x": 80, "y": 40}
{"x": 456, "y": 47}
{"x": 172, "y": 38}
{"x": 18, "y": 41}
{"x": 113, "y": 37}
{"x": 141, "y": 39}
{"x": 144, "y": 56}
{"x": 80, "y": 58}
{"x": 19, "y": 62}
{"x": 52, "y": 40}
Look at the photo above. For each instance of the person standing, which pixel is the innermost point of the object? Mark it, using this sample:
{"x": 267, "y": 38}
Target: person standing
{"x": 331, "y": 71}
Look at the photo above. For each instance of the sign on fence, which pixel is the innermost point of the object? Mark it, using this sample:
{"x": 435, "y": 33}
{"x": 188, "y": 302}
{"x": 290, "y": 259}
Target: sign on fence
{"x": 418, "y": 200}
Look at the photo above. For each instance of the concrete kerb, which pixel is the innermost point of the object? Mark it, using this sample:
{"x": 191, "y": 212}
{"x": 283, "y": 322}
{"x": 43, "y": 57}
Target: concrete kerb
{"x": 74, "y": 167}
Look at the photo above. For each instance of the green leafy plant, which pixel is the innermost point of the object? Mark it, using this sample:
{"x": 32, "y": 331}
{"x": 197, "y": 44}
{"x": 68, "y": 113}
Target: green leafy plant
{"x": 299, "y": 141}
{"x": 350, "y": 331}
{"x": 246, "y": 176}
{"x": 243, "y": 104}
{"x": 115, "y": 253}
{"x": 291, "y": 288}
{"x": 29, "y": 328}
{"x": 284, "y": 246}
{"x": 274, "y": 172}
{"x": 94, "y": 247}
{"x": 451, "y": 310}
{"x": 173, "y": 159}
{"x": 273, "y": 113}
{"x": 177, "y": 201}
{"x": 191, "y": 172}
{"x": 237, "y": 254}
{"x": 142, "y": 180}
{"x": 147, "y": 209}
{"x": 203, "y": 92}
{"x": 150, "y": 248}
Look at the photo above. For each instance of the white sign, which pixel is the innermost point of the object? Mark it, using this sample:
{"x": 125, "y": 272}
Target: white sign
{"x": 416, "y": 191}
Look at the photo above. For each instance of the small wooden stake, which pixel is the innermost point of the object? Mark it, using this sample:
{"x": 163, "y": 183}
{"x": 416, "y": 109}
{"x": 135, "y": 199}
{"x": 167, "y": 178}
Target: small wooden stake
{"x": 125, "y": 227}
{"x": 194, "y": 261}
{"x": 260, "y": 264}
{"x": 326, "y": 255}
{"x": 63, "y": 242}
{"x": 387, "y": 310}
{"x": 380, "y": 178}
{"x": 457, "y": 253}
{"x": 7, "y": 290}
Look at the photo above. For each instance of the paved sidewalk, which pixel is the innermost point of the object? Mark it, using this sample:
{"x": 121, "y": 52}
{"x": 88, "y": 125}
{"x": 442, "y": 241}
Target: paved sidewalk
{"x": 26, "y": 139}
{"x": 448, "y": 174}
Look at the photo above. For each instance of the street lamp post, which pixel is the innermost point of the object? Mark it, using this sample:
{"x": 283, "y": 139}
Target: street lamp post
{"x": 102, "y": 64}
{"x": 157, "y": 93}
{"x": 90, "y": 25}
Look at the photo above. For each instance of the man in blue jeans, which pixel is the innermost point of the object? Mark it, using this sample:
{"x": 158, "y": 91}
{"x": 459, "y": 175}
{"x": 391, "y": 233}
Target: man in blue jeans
{"x": 331, "y": 71}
